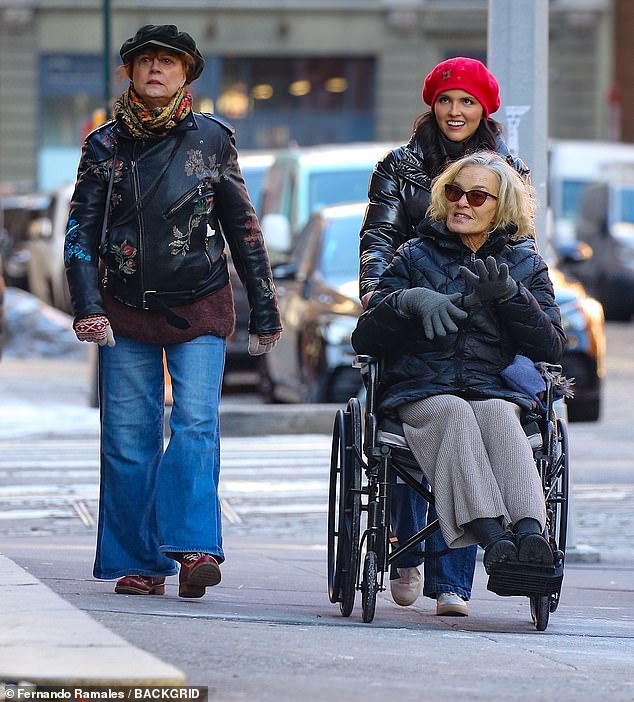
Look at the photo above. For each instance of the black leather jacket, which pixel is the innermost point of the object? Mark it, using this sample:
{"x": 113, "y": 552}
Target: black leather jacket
{"x": 175, "y": 200}
{"x": 467, "y": 362}
{"x": 399, "y": 195}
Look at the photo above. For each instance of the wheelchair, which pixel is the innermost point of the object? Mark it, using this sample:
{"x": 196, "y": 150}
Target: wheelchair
{"x": 367, "y": 456}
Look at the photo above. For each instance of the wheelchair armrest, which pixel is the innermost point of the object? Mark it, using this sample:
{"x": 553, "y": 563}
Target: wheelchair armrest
{"x": 362, "y": 361}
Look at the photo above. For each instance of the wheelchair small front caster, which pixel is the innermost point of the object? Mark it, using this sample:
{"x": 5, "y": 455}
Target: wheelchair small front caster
{"x": 540, "y": 611}
{"x": 369, "y": 587}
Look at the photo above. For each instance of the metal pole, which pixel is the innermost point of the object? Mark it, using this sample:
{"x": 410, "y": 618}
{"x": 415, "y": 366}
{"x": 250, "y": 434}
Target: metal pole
{"x": 106, "y": 53}
{"x": 517, "y": 54}
{"x": 518, "y": 57}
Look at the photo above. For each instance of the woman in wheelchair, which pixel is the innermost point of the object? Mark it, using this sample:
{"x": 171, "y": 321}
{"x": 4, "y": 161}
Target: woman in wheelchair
{"x": 451, "y": 312}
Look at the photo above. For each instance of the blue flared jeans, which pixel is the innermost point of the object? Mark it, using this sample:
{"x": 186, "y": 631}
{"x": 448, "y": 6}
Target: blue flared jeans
{"x": 156, "y": 499}
{"x": 452, "y": 572}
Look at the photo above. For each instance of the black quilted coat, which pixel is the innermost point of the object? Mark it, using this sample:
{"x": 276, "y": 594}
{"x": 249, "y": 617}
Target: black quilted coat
{"x": 399, "y": 195}
{"x": 466, "y": 363}
{"x": 175, "y": 200}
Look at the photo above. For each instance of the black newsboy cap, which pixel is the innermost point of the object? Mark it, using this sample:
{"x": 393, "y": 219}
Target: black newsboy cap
{"x": 167, "y": 36}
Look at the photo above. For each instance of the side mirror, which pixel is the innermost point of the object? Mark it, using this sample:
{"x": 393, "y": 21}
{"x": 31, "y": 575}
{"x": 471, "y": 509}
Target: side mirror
{"x": 277, "y": 233}
{"x": 575, "y": 252}
{"x": 40, "y": 228}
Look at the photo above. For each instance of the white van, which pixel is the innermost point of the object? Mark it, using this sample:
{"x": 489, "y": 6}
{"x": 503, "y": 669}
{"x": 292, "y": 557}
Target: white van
{"x": 303, "y": 180}
{"x": 572, "y": 166}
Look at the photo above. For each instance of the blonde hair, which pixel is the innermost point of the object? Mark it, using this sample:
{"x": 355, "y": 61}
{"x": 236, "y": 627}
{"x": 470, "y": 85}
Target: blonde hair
{"x": 515, "y": 203}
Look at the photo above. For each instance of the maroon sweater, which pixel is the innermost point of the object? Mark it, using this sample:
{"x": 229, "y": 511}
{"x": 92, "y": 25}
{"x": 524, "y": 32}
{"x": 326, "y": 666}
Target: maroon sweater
{"x": 213, "y": 314}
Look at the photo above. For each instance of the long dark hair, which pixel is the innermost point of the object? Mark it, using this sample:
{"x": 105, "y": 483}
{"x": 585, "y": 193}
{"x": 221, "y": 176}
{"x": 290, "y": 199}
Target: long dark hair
{"x": 428, "y": 135}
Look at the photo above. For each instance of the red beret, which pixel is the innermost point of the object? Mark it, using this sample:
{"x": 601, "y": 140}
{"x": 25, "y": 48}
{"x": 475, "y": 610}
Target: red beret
{"x": 460, "y": 73}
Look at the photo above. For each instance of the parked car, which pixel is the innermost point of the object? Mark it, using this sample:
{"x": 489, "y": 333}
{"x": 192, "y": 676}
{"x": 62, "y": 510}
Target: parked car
{"x": 602, "y": 256}
{"x": 47, "y": 279}
{"x": 318, "y": 295}
{"x": 304, "y": 180}
{"x": 17, "y": 212}
{"x": 254, "y": 166}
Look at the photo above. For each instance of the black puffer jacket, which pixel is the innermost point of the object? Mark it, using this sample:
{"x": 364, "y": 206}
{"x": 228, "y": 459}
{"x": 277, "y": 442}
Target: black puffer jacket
{"x": 399, "y": 195}
{"x": 468, "y": 362}
{"x": 173, "y": 199}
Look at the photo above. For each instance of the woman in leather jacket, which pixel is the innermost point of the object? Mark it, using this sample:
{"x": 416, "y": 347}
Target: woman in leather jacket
{"x": 462, "y": 94}
{"x": 452, "y": 311}
{"x": 158, "y": 194}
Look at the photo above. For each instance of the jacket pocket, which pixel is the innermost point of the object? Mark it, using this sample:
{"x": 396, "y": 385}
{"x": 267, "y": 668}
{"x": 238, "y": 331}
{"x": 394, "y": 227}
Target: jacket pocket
{"x": 201, "y": 197}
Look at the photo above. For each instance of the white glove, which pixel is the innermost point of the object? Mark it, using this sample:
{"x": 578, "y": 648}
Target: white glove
{"x": 96, "y": 329}
{"x": 265, "y": 343}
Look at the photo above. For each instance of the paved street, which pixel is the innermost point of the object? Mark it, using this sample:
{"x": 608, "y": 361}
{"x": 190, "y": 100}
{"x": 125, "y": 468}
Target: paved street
{"x": 268, "y": 632}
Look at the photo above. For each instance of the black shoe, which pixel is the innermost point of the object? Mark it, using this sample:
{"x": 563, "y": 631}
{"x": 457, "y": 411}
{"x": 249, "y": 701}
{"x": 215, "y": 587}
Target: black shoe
{"x": 499, "y": 552}
{"x": 533, "y": 548}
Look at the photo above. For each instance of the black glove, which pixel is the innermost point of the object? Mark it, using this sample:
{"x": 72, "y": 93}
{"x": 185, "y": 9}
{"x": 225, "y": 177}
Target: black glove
{"x": 436, "y": 310}
{"x": 489, "y": 283}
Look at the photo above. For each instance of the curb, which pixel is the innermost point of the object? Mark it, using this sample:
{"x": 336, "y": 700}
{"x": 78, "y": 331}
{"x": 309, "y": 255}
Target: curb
{"x": 44, "y": 640}
{"x": 261, "y": 420}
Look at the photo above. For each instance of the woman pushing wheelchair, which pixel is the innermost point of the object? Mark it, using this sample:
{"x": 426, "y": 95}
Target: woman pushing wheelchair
{"x": 450, "y": 314}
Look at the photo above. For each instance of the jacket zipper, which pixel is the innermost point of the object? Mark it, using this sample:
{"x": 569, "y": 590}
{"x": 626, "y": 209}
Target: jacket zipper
{"x": 461, "y": 341}
{"x": 198, "y": 190}
{"x": 141, "y": 248}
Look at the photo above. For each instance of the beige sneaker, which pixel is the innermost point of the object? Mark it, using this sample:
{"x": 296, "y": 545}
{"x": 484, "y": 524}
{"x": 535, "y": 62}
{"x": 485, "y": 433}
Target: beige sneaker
{"x": 407, "y": 587}
{"x": 448, "y": 604}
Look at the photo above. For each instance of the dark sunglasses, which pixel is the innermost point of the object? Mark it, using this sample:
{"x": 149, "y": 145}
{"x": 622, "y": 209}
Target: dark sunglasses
{"x": 474, "y": 197}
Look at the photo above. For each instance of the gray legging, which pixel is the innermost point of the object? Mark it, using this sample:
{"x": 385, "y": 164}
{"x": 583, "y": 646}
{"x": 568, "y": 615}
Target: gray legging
{"x": 477, "y": 459}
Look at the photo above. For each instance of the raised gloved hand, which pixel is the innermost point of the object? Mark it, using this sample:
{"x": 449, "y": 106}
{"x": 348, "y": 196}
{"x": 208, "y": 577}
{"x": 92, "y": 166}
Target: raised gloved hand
{"x": 436, "y": 310}
{"x": 263, "y": 343}
{"x": 94, "y": 328}
{"x": 490, "y": 283}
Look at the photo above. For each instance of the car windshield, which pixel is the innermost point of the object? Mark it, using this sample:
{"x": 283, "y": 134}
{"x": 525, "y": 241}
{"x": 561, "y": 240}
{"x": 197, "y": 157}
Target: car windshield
{"x": 622, "y": 213}
{"x": 340, "y": 249}
{"x": 254, "y": 178}
{"x": 327, "y": 188}
{"x": 571, "y": 191}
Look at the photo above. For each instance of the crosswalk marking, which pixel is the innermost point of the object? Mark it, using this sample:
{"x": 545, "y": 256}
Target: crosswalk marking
{"x": 56, "y": 480}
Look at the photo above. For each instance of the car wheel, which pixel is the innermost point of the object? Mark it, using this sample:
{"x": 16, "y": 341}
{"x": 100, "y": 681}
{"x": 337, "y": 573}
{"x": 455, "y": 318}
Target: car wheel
{"x": 583, "y": 410}
{"x": 344, "y": 384}
{"x": 314, "y": 391}
{"x": 266, "y": 386}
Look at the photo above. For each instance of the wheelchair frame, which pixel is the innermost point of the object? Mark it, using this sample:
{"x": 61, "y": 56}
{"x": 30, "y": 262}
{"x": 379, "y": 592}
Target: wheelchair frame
{"x": 361, "y": 448}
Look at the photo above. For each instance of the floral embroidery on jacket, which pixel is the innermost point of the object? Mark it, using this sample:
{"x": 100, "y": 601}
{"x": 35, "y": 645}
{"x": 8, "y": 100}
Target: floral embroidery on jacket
{"x": 103, "y": 168}
{"x": 195, "y": 165}
{"x": 72, "y": 249}
{"x": 254, "y": 236}
{"x": 124, "y": 256}
{"x": 269, "y": 288}
{"x": 182, "y": 240}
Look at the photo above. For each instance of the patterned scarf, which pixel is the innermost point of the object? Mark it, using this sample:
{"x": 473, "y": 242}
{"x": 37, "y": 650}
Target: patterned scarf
{"x": 144, "y": 121}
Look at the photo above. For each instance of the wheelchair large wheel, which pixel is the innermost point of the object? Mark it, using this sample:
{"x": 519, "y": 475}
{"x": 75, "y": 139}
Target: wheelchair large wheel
{"x": 540, "y": 611}
{"x": 344, "y": 507}
{"x": 559, "y": 525}
{"x": 369, "y": 587}
{"x": 557, "y": 500}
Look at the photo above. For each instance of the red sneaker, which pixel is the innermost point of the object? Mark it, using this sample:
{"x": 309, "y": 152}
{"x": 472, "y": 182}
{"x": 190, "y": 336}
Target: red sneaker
{"x": 198, "y": 571}
{"x": 140, "y": 585}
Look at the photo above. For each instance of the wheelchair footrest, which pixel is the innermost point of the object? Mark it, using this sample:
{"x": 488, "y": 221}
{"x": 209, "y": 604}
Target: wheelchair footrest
{"x": 526, "y": 579}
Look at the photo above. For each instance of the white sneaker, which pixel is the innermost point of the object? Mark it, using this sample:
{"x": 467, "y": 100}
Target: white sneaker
{"x": 407, "y": 587}
{"x": 448, "y": 604}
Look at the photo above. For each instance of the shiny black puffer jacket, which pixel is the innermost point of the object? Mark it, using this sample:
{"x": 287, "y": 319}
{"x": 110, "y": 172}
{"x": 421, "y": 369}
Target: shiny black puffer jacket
{"x": 468, "y": 362}
{"x": 399, "y": 195}
{"x": 174, "y": 201}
